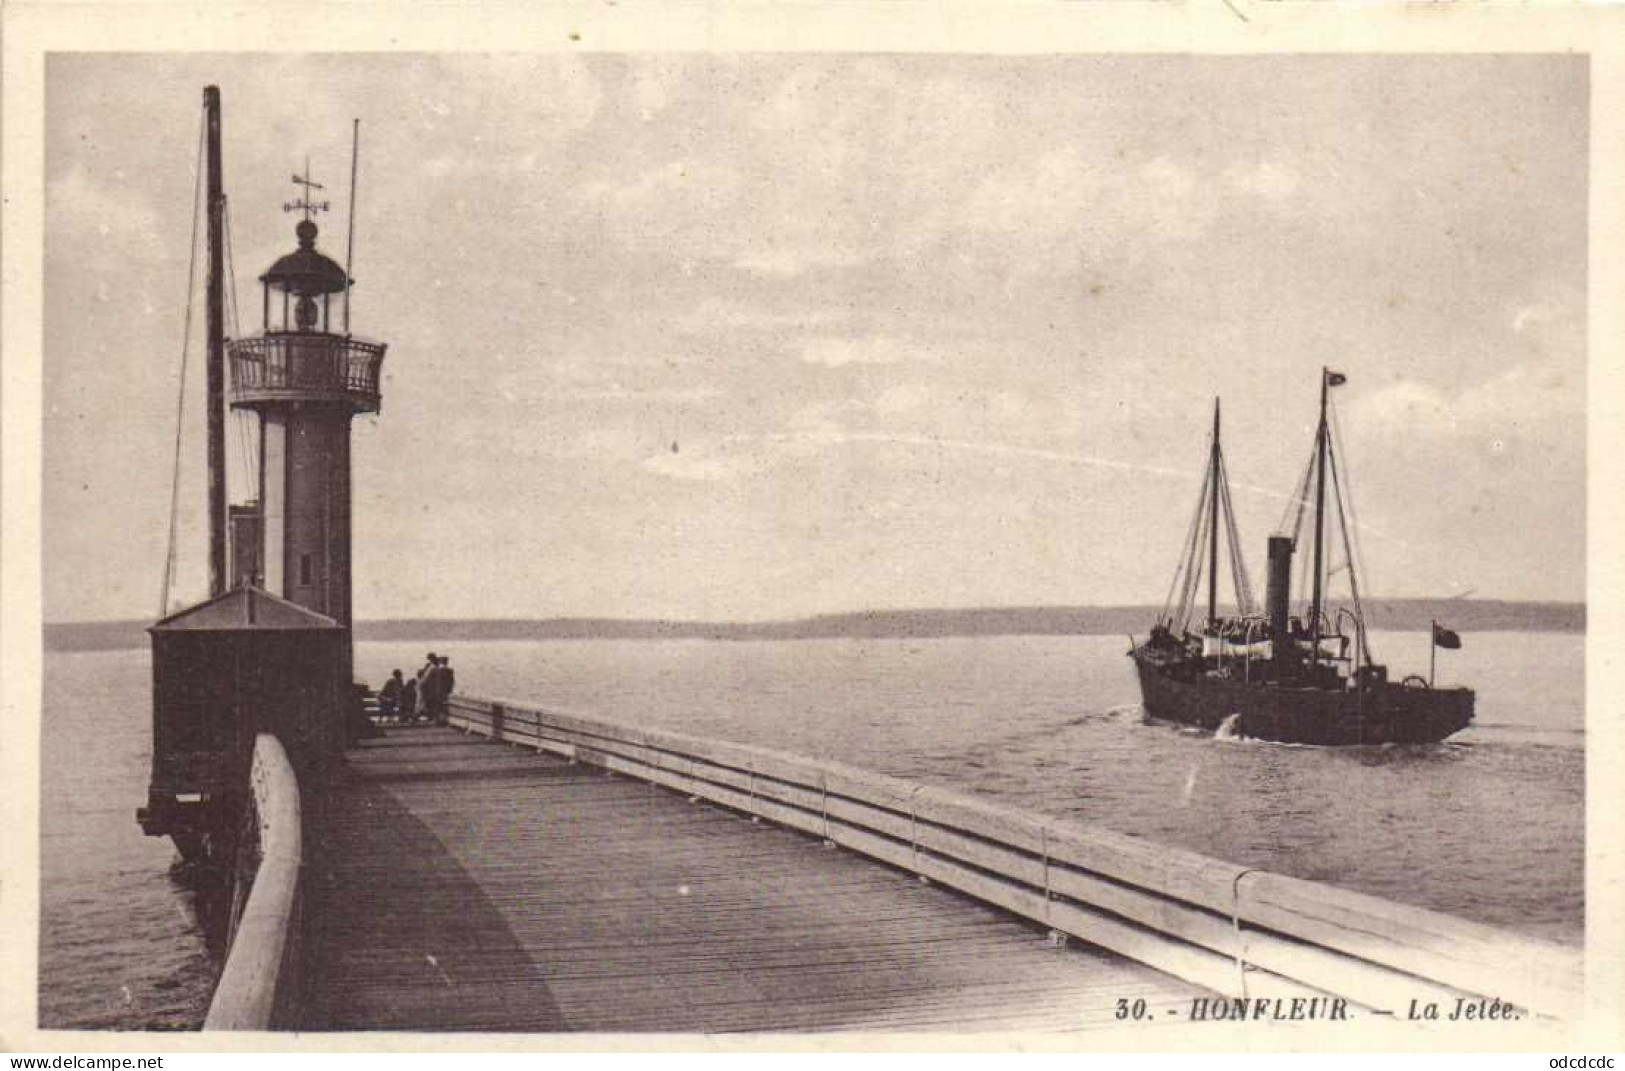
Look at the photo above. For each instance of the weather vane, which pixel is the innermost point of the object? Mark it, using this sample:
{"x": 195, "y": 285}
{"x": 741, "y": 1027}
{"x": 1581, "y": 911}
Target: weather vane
{"x": 303, "y": 201}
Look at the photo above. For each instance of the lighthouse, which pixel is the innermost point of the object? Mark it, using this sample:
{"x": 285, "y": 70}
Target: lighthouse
{"x": 268, "y": 654}
{"x": 306, "y": 381}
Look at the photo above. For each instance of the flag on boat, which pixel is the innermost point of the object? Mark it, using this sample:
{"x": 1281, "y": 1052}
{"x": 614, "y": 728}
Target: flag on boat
{"x": 1335, "y": 379}
{"x": 1446, "y": 638}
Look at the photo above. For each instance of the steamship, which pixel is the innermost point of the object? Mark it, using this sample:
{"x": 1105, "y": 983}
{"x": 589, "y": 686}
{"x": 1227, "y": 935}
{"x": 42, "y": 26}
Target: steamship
{"x": 1275, "y": 676}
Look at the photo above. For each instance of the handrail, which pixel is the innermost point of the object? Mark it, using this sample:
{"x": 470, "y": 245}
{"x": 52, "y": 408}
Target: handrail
{"x": 305, "y": 361}
{"x": 1239, "y": 931}
{"x": 262, "y": 976}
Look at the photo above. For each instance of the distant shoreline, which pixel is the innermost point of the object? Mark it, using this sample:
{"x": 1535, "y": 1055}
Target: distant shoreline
{"x": 1397, "y": 615}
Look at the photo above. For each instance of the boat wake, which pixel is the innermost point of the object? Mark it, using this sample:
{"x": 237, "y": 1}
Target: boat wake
{"x": 1131, "y": 711}
{"x": 1229, "y": 732}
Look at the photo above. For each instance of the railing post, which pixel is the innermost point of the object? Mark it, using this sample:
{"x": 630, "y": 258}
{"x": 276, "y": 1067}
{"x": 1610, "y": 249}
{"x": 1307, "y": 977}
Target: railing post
{"x": 823, "y": 804}
{"x": 1235, "y": 922}
{"x": 914, "y": 828}
{"x": 1043, "y": 839}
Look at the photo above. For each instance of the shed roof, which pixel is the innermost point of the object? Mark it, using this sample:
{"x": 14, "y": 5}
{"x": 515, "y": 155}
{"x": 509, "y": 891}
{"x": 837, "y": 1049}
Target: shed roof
{"x": 247, "y": 609}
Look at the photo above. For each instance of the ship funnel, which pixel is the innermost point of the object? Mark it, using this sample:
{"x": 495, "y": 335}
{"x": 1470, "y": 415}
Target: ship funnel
{"x": 1278, "y": 595}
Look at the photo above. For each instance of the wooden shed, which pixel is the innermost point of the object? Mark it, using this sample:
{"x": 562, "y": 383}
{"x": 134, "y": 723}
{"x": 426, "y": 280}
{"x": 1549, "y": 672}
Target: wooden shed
{"x": 223, "y": 670}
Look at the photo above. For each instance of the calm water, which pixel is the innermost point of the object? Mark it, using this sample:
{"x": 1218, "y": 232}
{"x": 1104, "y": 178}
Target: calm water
{"x": 1488, "y": 825}
{"x": 120, "y": 945}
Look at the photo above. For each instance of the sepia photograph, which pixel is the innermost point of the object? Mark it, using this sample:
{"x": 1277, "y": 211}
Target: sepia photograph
{"x": 1088, "y": 545}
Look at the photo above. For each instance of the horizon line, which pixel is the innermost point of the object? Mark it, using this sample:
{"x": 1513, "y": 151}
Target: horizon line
{"x": 866, "y": 612}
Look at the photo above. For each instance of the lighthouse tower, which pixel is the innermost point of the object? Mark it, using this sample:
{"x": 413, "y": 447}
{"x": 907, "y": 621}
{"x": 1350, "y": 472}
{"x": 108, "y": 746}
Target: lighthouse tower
{"x": 267, "y": 655}
{"x": 306, "y": 381}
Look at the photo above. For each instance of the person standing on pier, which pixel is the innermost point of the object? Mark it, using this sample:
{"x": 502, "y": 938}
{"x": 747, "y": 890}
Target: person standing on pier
{"x": 409, "y": 701}
{"x": 389, "y": 697}
{"x": 432, "y": 693}
{"x": 425, "y": 707}
{"x": 448, "y": 681}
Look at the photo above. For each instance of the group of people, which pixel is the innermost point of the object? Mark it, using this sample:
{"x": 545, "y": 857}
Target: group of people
{"x": 421, "y": 699}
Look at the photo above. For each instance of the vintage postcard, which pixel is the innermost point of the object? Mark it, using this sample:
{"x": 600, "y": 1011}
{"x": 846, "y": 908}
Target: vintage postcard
{"x": 1087, "y": 527}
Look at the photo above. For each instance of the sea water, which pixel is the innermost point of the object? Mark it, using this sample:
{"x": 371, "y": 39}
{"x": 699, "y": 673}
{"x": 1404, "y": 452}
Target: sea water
{"x": 1488, "y": 825}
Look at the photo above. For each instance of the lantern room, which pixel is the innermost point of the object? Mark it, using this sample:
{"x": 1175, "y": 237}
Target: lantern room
{"x": 304, "y": 283}
{"x": 300, "y": 357}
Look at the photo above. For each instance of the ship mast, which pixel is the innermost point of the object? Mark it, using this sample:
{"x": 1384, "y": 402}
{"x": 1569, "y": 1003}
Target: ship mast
{"x": 1213, "y": 507}
{"x": 1213, "y": 530}
{"x": 1320, "y": 520}
{"x": 216, "y": 362}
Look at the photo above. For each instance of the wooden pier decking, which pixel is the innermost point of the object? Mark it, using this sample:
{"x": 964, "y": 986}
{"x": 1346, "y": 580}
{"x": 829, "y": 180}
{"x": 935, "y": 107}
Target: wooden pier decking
{"x": 471, "y": 886}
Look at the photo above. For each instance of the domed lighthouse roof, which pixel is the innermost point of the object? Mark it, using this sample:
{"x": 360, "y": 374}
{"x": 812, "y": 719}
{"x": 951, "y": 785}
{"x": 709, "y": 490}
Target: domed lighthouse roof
{"x": 306, "y": 272}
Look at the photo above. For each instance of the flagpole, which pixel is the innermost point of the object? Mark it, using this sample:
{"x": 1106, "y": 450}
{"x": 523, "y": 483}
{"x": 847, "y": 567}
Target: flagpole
{"x": 1433, "y": 649}
{"x": 349, "y": 245}
{"x": 1320, "y": 511}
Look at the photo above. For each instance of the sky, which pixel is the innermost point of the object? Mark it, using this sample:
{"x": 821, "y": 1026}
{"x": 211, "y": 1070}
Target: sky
{"x": 756, "y": 336}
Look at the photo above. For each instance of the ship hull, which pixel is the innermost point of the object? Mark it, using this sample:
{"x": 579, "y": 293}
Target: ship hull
{"x": 1382, "y": 713}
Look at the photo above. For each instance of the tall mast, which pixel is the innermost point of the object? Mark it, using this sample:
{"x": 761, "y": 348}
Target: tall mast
{"x": 1320, "y": 519}
{"x": 1213, "y": 529}
{"x": 217, "y": 349}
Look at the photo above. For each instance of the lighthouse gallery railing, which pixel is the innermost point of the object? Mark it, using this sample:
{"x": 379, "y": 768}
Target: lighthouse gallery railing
{"x": 306, "y": 362}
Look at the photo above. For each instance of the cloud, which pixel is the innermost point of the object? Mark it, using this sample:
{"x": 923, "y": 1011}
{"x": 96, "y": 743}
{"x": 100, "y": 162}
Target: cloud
{"x": 1016, "y": 412}
{"x": 832, "y": 352}
{"x": 830, "y": 437}
{"x": 615, "y": 392}
{"x": 1534, "y": 400}
{"x": 725, "y": 314}
{"x": 1264, "y": 179}
{"x": 908, "y": 415}
{"x": 1168, "y": 198}
{"x": 706, "y": 464}
{"x": 559, "y": 90}
{"x": 1538, "y": 314}
{"x": 1043, "y": 217}
{"x": 1527, "y": 315}
{"x": 672, "y": 188}
{"x": 1529, "y": 394}
{"x": 934, "y": 406}
{"x": 686, "y": 210}
{"x": 654, "y": 80}
{"x": 81, "y": 205}
{"x": 903, "y": 398}
{"x": 1018, "y": 200}
{"x": 596, "y": 443}
{"x": 785, "y": 260}
{"x": 820, "y": 100}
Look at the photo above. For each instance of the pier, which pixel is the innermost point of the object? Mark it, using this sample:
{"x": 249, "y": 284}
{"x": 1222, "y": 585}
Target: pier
{"x": 525, "y": 870}
{"x": 479, "y": 887}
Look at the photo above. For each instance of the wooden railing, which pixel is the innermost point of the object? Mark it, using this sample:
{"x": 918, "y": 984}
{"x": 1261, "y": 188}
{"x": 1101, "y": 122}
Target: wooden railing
{"x": 1238, "y": 931}
{"x": 261, "y": 986}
